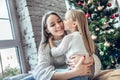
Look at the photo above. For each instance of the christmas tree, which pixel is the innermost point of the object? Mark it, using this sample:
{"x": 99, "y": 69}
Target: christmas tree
{"x": 102, "y": 19}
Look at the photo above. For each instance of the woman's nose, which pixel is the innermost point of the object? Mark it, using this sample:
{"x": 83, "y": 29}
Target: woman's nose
{"x": 58, "y": 26}
{"x": 63, "y": 21}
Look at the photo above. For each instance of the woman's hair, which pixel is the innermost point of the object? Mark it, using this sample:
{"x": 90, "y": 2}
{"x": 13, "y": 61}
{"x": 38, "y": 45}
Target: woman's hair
{"x": 82, "y": 25}
{"x": 44, "y": 35}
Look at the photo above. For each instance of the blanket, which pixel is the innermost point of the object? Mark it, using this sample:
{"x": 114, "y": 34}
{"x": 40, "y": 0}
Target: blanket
{"x": 108, "y": 75}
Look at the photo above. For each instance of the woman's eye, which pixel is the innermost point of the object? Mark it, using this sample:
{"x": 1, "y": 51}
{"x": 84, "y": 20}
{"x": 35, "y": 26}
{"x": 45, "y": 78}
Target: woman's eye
{"x": 52, "y": 25}
{"x": 59, "y": 21}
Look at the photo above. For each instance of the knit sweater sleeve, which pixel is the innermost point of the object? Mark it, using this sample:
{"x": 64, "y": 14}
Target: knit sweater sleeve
{"x": 62, "y": 48}
{"x": 43, "y": 71}
{"x": 97, "y": 64}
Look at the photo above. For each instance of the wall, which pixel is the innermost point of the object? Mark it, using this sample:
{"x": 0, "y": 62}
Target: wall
{"x": 29, "y": 14}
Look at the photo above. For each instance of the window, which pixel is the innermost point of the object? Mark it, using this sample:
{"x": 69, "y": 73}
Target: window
{"x": 5, "y": 29}
{"x": 11, "y": 62}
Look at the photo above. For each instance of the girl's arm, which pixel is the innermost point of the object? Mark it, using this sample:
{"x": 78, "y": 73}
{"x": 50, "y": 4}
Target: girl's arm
{"x": 62, "y": 48}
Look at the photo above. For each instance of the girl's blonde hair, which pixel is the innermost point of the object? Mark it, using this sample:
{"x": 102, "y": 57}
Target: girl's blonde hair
{"x": 82, "y": 25}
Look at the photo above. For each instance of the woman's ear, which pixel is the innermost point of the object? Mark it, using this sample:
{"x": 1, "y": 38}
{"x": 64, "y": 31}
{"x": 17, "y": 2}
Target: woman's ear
{"x": 47, "y": 31}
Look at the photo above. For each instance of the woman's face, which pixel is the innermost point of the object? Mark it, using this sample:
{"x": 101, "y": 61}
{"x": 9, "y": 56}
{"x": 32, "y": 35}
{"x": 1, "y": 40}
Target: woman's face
{"x": 55, "y": 26}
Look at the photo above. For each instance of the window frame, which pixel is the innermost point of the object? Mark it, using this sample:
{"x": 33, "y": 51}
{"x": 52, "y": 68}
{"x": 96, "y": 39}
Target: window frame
{"x": 16, "y": 42}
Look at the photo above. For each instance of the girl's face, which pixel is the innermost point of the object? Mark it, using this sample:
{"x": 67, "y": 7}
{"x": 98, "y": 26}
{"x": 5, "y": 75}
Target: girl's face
{"x": 55, "y": 26}
{"x": 68, "y": 23}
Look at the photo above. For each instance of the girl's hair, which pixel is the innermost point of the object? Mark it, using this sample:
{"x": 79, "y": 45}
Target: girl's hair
{"x": 44, "y": 35}
{"x": 82, "y": 25}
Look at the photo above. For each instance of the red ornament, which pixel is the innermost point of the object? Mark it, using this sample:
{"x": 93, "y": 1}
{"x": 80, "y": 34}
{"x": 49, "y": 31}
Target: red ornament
{"x": 109, "y": 4}
{"x": 116, "y": 15}
{"x": 79, "y": 3}
{"x": 88, "y": 15}
{"x": 112, "y": 16}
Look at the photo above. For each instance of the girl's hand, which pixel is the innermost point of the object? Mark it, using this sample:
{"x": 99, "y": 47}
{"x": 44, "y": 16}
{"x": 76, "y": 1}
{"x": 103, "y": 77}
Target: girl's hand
{"x": 51, "y": 41}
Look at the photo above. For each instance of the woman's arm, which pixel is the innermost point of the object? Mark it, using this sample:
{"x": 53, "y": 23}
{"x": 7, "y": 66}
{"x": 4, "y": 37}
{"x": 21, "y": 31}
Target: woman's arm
{"x": 92, "y": 59}
{"x": 62, "y": 48}
{"x": 45, "y": 71}
{"x": 79, "y": 70}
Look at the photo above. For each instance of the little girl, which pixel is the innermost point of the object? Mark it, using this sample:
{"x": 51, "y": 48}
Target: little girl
{"x": 79, "y": 40}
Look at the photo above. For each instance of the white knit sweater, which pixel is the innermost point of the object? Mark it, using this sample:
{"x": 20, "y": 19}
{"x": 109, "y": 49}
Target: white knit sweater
{"x": 71, "y": 44}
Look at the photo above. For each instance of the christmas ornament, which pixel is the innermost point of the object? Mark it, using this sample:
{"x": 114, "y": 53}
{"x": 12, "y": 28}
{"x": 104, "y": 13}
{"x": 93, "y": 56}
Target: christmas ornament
{"x": 94, "y": 37}
{"x": 101, "y": 53}
{"x": 109, "y": 4}
{"x": 95, "y": 10}
{"x": 88, "y": 15}
{"x": 100, "y": 8}
{"x": 97, "y": 29}
{"x": 79, "y": 3}
{"x": 112, "y": 16}
{"x": 107, "y": 44}
{"x": 90, "y": 1}
{"x": 116, "y": 15}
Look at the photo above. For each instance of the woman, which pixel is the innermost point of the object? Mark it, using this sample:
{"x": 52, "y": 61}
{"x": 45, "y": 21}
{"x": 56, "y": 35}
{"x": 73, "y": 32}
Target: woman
{"x": 47, "y": 63}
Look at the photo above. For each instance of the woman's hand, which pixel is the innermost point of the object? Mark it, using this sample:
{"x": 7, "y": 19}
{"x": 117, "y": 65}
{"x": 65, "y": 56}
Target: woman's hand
{"x": 89, "y": 59}
{"x": 86, "y": 64}
{"x": 73, "y": 60}
{"x": 82, "y": 69}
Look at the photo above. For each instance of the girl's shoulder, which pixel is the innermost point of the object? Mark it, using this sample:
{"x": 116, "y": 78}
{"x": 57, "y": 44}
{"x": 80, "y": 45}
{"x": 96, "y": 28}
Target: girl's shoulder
{"x": 76, "y": 35}
{"x": 68, "y": 36}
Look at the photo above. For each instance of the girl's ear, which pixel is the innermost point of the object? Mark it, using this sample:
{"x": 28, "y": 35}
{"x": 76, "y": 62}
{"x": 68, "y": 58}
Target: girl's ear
{"x": 74, "y": 23}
